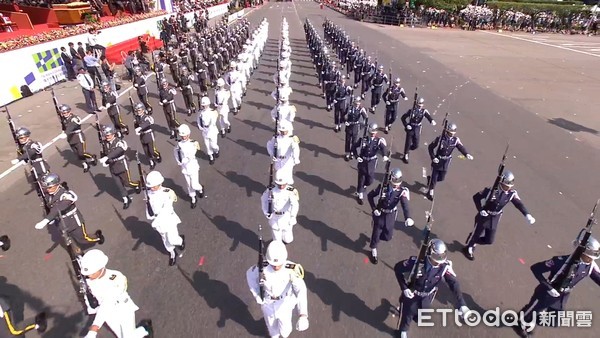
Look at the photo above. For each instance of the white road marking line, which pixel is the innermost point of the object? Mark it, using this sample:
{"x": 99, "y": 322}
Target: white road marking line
{"x": 542, "y": 43}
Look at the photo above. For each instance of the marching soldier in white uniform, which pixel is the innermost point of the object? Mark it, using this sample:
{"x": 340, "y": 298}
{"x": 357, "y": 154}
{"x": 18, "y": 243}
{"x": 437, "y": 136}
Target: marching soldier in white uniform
{"x": 244, "y": 67}
{"x": 234, "y": 79}
{"x": 284, "y": 150}
{"x": 280, "y": 204}
{"x": 284, "y": 112}
{"x": 284, "y": 290}
{"x": 115, "y": 307}
{"x": 283, "y": 89}
{"x": 185, "y": 155}
{"x": 164, "y": 219}
{"x": 222, "y": 105}
{"x": 207, "y": 123}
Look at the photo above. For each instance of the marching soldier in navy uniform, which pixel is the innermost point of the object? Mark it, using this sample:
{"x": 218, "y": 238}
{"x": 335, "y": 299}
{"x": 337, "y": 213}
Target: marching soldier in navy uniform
{"x": 116, "y": 160}
{"x": 185, "y": 85}
{"x": 159, "y": 68}
{"x": 351, "y": 58}
{"x": 547, "y": 299}
{"x": 332, "y": 75}
{"x": 385, "y": 211}
{"x": 202, "y": 74}
{"x": 355, "y": 117}
{"x": 31, "y": 152}
{"x": 75, "y": 137}
{"x": 340, "y": 102}
{"x": 184, "y": 57}
{"x": 441, "y": 155}
{"x": 139, "y": 83}
{"x": 167, "y": 101}
{"x": 490, "y": 205}
{"x": 412, "y": 121}
{"x": 358, "y": 67}
{"x": 435, "y": 268}
{"x": 365, "y": 151}
{"x": 109, "y": 100}
{"x": 367, "y": 72}
{"x": 391, "y": 97}
{"x": 377, "y": 81}
{"x": 61, "y": 201}
{"x": 173, "y": 63}
{"x": 144, "y": 127}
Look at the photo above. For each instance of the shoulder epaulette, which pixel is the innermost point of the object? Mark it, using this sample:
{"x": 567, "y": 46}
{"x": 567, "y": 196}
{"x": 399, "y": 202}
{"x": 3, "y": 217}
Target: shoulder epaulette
{"x": 296, "y": 268}
{"x": 112, "y": 277}
{"x": 296, "y": 139}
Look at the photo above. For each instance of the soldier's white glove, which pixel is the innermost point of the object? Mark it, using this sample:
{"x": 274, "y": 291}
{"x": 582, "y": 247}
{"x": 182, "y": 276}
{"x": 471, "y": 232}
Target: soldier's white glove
{"x": 41, "y": 224}
{"x": 62, "y": 136}
{"x": 408, "y": 293}
{"x": 554, "y": 293}
{"x": 433, "y": 123}
{"x": 274, "y": 159}
{"x": 259, "y": 301}
{"x": 302, "y": 323}
{"x": 470, "y": 157}
{"x": 268, "y": 216}
{"x": 530, "y": 219}
{"x": 409, "y": 127}
{"x": 164, "y": 101}
{"x": 347, "y": 124}
{"x": 108, "y": 105}
{"x": 406, "y": 98}
{"x": 388, "y": 103}
{"x": 91, "y": 334}
{"x": 409, "y": 222}
{"x": 484, "y": 213}
{"x": 15, "y": 161}
{"x": 293, "y": 221}
{"x": 436, "y": 160}
{"x": 334, "y": 101}
{"x": 385, "y": 159}
{"x": 104, "y": 161}
{"x": 135, "y": 85}
{"x": 376, "y": 212}
{"x": 138, "y": 130}
{"x": 359, "y": 159}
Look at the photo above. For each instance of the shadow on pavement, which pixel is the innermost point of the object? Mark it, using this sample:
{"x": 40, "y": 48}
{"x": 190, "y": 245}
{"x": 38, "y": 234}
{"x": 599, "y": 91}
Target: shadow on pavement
{"x": 571, "y": 126}
{"x": 321, "y": 184}
{"x": 328, "y": 234}
{"x": 142, "y": 232}
{"x": 217, "y": 295}
{"x": 348, "y": 303}
{"x": 234, "y": 230}
{"x": 244, "y": 181}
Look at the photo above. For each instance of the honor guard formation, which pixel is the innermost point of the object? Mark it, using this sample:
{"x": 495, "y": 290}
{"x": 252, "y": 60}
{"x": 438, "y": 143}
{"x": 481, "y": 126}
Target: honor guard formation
{"x": 211, "y": 69}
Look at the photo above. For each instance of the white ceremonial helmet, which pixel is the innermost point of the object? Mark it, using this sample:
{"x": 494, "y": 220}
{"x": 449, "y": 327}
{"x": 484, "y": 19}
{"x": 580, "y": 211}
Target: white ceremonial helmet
{"x": 276, "y": 253}
{"x": 285, "y": 125}
{"x": 205, "y": 101}
{"x": 154, "y": 179}
{"x": 184, "y": 130}
{"x": 220, "y": 82}
{"x": 92, "y": 262}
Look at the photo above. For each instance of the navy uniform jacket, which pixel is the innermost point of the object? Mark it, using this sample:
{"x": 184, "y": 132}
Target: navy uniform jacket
{"x": 415, "y": 119}
{"x": 392, "y": 95}
{"x": 354, "y": 114}
{"x": 552, "y": 266}
{"x": 430, "y": 277}
{"x": 185, "y": 82}
{"x": 378, "y": 80}
{"x": 33, "y": 151}
{"x": 165, "y": 94}
{"x": 501, "y": 199}
{"x": 140, "y": 84}
{"x": 63, "y": 202}
{"x": 72, "y": 127}
{"x": 110, "y": 98}
{"x": 390, "y": 201}
{"x": 117, "y": 159}
{"x": 445, "y": 152}
{"x": 146, "y": 125}
{"x": 368, "y": 147}
{"x": 342, "y": 91}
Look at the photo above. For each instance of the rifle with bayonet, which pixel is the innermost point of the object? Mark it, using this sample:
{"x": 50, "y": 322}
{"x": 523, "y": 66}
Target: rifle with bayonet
{"x": 132, "y": 104}
{"x": 439, "y": 145}
{"x": 417, "y": 269}
{"x": 386, "y": 179}
{"x": 75, "y": 253}
{"x": 414, "y": 107}
{"x": 55, "y": 101}
{"x": 562, "y": 279}
{"x": 261, "y": 263}
{"x": 103, "y": 144}
{"x": 13, "y": 131}
{"x": 491, "y": 196}
{"x": 143, "y": 184}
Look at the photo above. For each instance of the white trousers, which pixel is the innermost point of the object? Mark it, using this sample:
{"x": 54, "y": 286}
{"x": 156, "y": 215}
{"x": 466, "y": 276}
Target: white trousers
{"x": 210, "y": 142}
{"x": 236, "y": 97}
{"x": 193, "y": 182}
{"x": 279, "y": 323}
{"x": 171, "y": 240}
{"x": 224, "y": 120}
{"x": 122, "y": 324}
{"x": 281, "y": 230}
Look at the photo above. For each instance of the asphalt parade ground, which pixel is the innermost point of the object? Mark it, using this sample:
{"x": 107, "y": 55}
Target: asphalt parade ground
{"x": 496, "y": 89}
